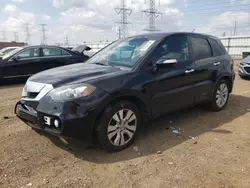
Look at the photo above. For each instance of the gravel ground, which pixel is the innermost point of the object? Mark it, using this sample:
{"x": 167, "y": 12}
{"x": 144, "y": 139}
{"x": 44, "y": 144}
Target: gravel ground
{"x": 219, "y": 156}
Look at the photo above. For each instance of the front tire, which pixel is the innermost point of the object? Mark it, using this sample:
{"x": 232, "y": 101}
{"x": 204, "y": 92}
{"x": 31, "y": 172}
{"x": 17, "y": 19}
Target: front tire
{"x": 118, "y": 126}
{"x": 220, "y": 96}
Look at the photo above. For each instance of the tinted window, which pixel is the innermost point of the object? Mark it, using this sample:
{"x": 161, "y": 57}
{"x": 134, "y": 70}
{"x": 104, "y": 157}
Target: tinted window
{"x": 174, "y": 47}
{"x": 29, "y": 53}
{"x": 201, "y": 48}
{"x": 48, "y": 52}
{"x": 64, "y": 53}
{"x": 52, "y": 52}
{"x": 216, "y": 48}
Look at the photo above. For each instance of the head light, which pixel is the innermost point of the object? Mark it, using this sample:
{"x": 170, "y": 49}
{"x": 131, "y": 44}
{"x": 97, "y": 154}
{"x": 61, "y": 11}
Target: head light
{"x": 71, "y": 92}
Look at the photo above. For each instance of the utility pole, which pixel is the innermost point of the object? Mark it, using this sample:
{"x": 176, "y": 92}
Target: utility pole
{"x": 44, "y": 37}
{"x": 235, "y": 26}
{"x": 152, "y": 13}
{"x": 15, "y": 37}
{"x": 124, "y": 12}
{"x": 27, "y": 31}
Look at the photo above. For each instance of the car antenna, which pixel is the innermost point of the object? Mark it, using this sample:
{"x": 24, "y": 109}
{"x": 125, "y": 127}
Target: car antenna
{"x": 193, "y": 30}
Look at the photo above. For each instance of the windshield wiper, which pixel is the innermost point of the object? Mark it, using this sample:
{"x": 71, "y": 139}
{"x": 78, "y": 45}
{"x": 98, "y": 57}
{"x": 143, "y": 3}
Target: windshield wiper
{"x": 101, "y": 64}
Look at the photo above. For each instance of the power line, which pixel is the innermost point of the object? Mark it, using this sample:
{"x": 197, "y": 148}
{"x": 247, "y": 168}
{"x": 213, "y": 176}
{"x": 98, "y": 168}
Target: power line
{"x": 152, "y": 13}
{"x": 124, "y": 12}
{"x": 44, "y": 37}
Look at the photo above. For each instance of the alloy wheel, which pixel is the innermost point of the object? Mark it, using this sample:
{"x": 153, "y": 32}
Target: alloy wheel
{"x": 221, "y": 95}
{"x": 122, "y": 127}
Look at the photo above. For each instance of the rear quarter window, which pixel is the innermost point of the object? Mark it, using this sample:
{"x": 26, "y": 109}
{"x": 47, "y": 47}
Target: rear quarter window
{"x": 218, "y": 50}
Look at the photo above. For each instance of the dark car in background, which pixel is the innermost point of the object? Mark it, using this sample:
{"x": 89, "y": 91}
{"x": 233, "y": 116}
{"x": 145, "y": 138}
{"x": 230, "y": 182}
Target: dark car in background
{"x": 26, "y": 61}
{"x": 129, "y": 82}
{"x": 244, "y": 68}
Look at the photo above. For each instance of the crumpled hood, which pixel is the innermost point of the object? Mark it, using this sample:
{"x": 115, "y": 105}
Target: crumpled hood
{"x": 73, "y": 73}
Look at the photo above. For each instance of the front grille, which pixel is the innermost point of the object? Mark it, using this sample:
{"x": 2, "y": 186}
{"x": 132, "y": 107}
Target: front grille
{"x": 32, "y": 104}
{"x": 247, "y": 69}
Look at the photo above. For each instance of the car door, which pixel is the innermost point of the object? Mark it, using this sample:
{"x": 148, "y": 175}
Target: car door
{"x": 172, "y": 84}
{"x": 22, "y": 63}
{"x": 54, "y": 57}
{"x": 205, "y": 67}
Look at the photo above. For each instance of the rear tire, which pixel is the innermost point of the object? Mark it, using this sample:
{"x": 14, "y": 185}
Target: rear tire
{"x": 118, "y": 126}
{"x": 220, "y": 96}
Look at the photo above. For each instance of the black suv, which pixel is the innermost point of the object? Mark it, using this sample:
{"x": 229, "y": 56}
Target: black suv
{"x": 127, "y": 83}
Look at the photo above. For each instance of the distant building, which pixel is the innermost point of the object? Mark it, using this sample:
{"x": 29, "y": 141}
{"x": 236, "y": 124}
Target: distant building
{"x": 10, "y": 44}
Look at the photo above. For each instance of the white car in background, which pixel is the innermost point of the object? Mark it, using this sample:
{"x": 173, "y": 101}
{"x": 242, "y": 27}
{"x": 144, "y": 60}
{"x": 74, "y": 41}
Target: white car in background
{"x": 7, "y": 50}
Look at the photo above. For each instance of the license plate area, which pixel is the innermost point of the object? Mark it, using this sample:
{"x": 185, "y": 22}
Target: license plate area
{"x": 47, "y": 120}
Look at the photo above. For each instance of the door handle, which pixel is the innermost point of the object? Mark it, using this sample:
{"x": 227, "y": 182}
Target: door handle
{"x": 216, "y": 64}
{"x": 189, "y": 71}
{"x": 37, "y": 60}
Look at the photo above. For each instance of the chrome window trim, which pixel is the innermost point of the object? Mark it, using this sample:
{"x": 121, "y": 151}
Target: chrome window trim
{"x": 69, "y": 55}
{"x": 40, "y": 57}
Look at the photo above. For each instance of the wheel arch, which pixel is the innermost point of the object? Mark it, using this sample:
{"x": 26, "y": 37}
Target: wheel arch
{"x": 133, "y": 96}
{"x": 228, "y": 78}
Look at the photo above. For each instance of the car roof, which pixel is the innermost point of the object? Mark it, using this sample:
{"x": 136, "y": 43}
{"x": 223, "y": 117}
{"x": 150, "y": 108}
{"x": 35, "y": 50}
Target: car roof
{"x": 49, "y": 46}
{"x": 11, "y": 47}
{"x": 45, "y": 46}
{"x": 165, "y": 34}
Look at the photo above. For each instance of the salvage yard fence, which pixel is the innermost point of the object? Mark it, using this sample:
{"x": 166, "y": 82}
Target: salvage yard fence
{"x": 235, "y": 45}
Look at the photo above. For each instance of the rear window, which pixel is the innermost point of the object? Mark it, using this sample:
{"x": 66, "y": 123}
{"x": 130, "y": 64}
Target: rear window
{"x": 201, "y": 48}
{"x": 217, "y": 49}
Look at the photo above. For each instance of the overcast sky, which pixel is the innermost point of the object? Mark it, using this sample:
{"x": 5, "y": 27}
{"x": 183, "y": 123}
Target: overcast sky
{"x": 93, "y": 20}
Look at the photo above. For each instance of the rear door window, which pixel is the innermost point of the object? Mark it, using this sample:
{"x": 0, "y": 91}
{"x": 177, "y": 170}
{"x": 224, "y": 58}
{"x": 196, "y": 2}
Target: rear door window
{"x": 54, "y": 52}
{"x": 201, "y": 48}
{"x": 217, "y": 49}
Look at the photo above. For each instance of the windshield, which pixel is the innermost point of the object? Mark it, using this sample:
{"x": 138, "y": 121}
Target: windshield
{"x": 125, "y": 53}
{"x": 11, "y": 53}
{"x": 247, "y": 58}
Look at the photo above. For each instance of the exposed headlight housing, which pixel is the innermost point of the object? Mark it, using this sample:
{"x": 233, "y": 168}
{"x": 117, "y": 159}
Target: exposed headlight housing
{"x": 71, "y": 92}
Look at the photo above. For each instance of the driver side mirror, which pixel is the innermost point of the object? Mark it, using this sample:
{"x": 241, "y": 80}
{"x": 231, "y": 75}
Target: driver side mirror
{"x": 16, "y": 58}
{"x": 166, "y": 62}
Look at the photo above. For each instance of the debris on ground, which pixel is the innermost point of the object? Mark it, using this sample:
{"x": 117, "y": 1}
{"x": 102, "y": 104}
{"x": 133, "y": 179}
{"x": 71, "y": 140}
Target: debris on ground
{"x": 191, "y": 137}
{"x": 216, "y": 139}
{"x": 136, "y": 149}
{"x": 176, "y": 132}
{"x": 6, "y": 117}
{"x": 195, "y": 142}
{"x": 170, "y": 163}
{"x": 158, "y": 152}
{"x": 29, "y": 184}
